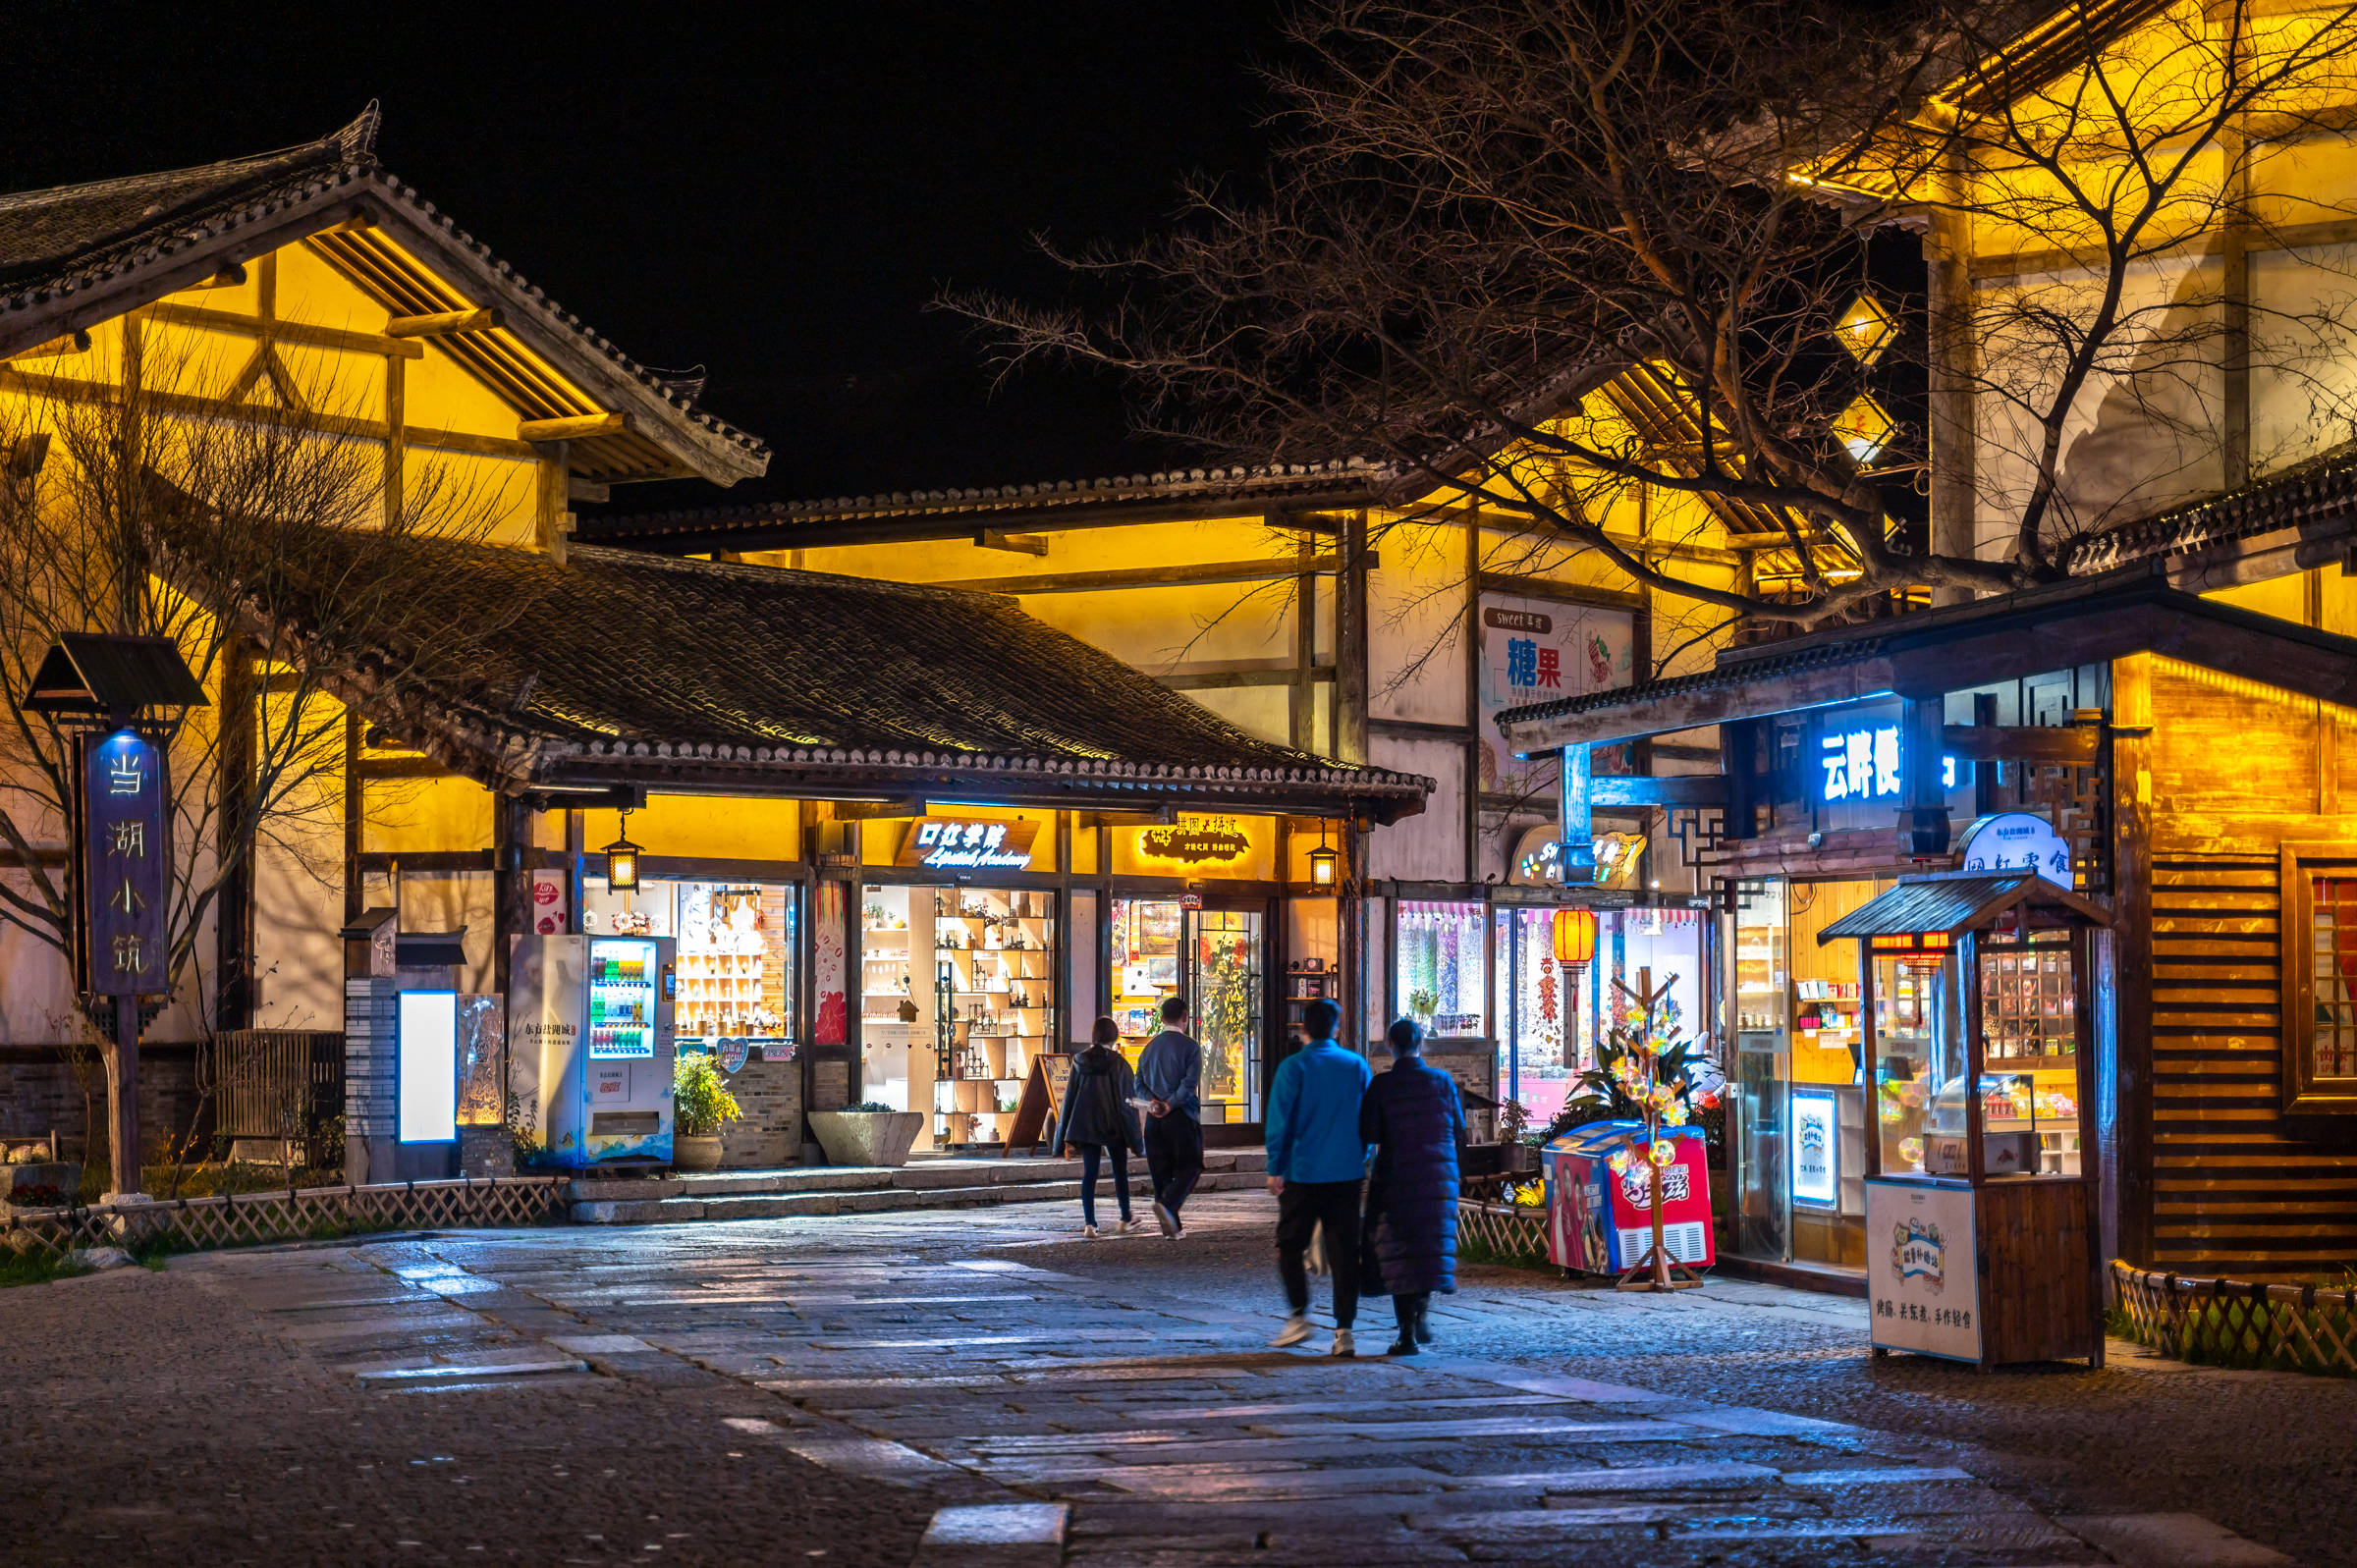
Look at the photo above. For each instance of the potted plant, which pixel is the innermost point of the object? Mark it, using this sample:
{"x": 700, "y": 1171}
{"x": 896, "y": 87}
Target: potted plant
{"x": 700, "y": 1106}
{"x": 866, "y": 1134}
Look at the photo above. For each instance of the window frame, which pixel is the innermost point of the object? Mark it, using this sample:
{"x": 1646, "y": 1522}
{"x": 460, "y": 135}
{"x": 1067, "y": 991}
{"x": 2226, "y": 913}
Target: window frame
{"x": 2305, "y": 1092}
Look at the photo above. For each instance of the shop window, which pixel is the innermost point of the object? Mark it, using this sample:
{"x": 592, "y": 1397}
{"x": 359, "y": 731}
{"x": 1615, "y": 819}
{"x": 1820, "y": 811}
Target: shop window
{"x": 1440, "y": 960}
{"x": 2320, "y": 984}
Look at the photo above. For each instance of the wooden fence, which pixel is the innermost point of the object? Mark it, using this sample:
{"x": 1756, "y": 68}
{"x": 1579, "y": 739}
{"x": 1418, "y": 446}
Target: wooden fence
{"x": 2227, "y": 1323}
{"x": 283, "y": 1085}
{"x": 297, "y": 1213}
{"x": 1506, "y": 1230}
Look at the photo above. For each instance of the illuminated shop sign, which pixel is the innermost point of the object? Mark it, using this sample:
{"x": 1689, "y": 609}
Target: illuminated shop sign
{"x": 1817, "y": 1155}
{"x": 1201, "y": 841}
{"x": 956, "y": 843}
{"x": 1863, "y": 765}
{"x": 1540, "y": 864}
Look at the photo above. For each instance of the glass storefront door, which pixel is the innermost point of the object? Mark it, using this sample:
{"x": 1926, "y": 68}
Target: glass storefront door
{"x": 1226, "y": 991}
{"x": 1762, "y": 1074}
{"x": 1537, "y": 1013}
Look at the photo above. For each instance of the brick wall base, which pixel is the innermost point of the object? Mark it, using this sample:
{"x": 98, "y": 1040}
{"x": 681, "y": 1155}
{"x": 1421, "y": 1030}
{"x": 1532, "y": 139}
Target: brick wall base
{"x": 770, "y": 1132}
{"x": 39, "y": 1094}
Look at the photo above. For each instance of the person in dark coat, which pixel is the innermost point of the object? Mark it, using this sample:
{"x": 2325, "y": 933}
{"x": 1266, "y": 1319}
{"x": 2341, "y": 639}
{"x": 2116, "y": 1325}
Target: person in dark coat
{"x": 1415, "y": 1119}
{"x": 1098, "y": 1121}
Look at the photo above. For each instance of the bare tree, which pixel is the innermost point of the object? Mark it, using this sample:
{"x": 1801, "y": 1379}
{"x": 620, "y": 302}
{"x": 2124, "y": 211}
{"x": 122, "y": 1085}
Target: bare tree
{"x": 1532, "y": 253}
{"x": 258, "y": 539}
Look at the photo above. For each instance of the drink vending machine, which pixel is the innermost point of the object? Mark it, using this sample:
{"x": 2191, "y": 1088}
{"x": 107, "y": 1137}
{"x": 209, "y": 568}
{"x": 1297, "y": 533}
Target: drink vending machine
{"x": 595, "y": 1014}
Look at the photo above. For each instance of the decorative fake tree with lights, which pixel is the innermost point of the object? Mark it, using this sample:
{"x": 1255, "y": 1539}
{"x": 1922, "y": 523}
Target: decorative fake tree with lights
{"x": 1645, "y": 1073}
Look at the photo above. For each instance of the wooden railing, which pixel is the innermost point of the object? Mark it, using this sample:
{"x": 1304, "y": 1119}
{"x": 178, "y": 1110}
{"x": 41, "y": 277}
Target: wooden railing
{"x": 297, "y": 1213}
{"x": 1484, "y": 1219}
{"x": 2228, "y": 1323}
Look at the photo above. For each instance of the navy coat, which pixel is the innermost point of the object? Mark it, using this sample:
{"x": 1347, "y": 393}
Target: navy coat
{"x": 1096, "y": 1102}
{"x": 1413, "y": 1116}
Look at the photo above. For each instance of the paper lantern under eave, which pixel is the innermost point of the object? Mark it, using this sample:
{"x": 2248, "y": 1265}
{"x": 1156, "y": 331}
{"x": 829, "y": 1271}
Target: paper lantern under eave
{"x": 1575, "y": 936}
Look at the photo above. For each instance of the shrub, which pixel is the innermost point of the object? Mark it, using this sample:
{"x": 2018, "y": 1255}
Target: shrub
{"x": 700, "y": 1101}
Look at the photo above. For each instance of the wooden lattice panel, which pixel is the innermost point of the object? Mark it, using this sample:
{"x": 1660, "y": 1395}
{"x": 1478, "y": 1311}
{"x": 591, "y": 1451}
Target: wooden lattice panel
{"x": 299, "y": 1213}
{"x": 1506, "y": 1231}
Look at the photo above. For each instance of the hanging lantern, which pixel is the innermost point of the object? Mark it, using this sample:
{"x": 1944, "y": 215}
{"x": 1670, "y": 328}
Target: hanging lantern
{"x": 621, "y": 859}
{"x": 1324, "y": 862}
{"x": 1575, "y": 936}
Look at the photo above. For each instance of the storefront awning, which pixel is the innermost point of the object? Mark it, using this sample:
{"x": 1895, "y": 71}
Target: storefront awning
{"x": 1951, "y": 906}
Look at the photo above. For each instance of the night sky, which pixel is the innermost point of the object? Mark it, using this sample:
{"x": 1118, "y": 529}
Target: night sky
{"x": 773, "y": 194}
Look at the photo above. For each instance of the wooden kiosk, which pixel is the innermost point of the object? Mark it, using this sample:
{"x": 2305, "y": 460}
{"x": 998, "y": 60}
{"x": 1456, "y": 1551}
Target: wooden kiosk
{"x": 1982, "y": 1238}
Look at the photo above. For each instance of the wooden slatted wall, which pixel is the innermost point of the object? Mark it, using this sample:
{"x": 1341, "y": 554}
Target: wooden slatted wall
{"x": 2238, "y": 1190}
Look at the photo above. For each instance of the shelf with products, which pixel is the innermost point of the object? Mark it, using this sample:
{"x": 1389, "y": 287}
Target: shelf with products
{"x": 730, "y": 967}
{"x": 993, "y": 954}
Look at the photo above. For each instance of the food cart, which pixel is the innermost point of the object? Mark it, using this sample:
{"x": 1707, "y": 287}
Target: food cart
{"x": 1982, "y": 1238}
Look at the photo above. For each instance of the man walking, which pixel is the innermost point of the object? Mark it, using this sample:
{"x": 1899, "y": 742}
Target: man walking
{"x": 1316, "y": 1162}
{"x": 1168, "y": 1070}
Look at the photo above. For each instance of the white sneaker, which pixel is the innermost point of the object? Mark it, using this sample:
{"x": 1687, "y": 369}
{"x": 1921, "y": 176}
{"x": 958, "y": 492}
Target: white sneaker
{"x": 1133, "y": 1225}
{"x": 1294, "y": 1331}
{"x": 1167, "y": 1220}
{"x": 1341, "y": 1343}
{"x": 1090, "y": 1231}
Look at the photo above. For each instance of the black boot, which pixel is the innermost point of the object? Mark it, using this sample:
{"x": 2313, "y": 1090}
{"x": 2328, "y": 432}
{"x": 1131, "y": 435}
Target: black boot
{"x": 1404, "y": 1313}
{"x": 1424, "y": 1321}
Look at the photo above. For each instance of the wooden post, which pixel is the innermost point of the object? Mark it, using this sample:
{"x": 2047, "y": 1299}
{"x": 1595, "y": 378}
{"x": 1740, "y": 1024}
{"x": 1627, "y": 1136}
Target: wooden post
{"x": 2130, "y": 1156}
{"x": 511, "y": 890}
{"x": 1923, "y": 820}
{"x": 1575, "y": 817}
{"x": 355, "y": 802}
{"x": 232, "y": 929}
{"x": 1947, "y": 251}
{"x": 1351, "y": 641}
{"x": 123, "y": 1100}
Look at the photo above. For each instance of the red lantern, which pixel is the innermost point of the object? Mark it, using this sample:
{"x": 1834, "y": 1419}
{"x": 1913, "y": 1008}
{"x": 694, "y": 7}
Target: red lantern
{"x": 1575, "y": 936}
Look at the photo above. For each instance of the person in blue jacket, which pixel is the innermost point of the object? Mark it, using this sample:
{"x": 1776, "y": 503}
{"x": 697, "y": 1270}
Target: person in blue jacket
{"x": 1415, "y": 1118}
{"x": 1317, "y": 1163}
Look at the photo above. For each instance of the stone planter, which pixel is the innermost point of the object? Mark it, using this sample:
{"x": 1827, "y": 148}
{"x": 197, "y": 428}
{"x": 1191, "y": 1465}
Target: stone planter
{"x": 866, "y": 1137}
{"x": 693, "y": 1151}
{"x": 39, "y": 1186}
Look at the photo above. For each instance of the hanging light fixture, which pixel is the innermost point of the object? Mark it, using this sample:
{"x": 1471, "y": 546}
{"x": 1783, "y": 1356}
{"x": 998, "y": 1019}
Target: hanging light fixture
{"x": 1576, "y": 939}
{"x": 622, "y": 858}
{"x": 1324, "y": 862}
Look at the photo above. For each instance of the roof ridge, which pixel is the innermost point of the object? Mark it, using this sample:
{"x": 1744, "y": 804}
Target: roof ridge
{"x": 355, "y": 142}
{"x": 643, "y": 559}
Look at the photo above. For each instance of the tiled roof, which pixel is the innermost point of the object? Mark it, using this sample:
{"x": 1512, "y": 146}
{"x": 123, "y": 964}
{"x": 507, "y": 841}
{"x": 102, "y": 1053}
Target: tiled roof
{"x": 2323, "y": 489}
{"x": 619, "y": 665}
{"x": 61, "y": 243}
{"x": 1244, "y": 487}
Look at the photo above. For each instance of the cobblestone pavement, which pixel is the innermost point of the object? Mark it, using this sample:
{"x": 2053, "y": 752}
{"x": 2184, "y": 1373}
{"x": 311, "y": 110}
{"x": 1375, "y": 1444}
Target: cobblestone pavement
{"x": 833, "y": 1389}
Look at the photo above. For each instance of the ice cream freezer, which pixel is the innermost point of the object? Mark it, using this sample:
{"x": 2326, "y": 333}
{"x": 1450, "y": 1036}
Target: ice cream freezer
{"x": 590, "y": 1017}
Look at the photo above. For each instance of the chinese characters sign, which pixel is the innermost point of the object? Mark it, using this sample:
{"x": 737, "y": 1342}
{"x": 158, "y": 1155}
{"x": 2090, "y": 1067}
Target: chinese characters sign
{"x": 951, "y": 843}
{"x": 1862, "y": 764}
{"x": 1923, "y": 1269}
{"x": 2016, "y": 841}
{"x": 1537, "y": 650}
{"x": 125, "y": 855}
{"x": 1196, "y": 842}
{"x": 1816, "y": 1152}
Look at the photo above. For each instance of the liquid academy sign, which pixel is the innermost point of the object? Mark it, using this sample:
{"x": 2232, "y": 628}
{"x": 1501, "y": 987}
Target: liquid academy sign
{"x": 959, "y": 843}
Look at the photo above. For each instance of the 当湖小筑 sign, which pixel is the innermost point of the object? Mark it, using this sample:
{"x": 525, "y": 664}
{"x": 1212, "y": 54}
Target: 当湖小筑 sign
{"x": 126, "y": 850}
{"x": 1202, "y": 842}
{"x": 958, "y": 843}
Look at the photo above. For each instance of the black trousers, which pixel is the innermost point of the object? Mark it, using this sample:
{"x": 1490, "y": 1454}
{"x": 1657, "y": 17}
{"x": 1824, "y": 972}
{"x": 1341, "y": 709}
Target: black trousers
{"x": 1301, "y": 1209}
{"x": 1091, "y": 1155}
{"x": 1173, "y": 1156}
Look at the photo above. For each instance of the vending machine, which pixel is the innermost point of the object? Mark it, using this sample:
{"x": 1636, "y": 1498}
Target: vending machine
{"x": 595, "y": 1015}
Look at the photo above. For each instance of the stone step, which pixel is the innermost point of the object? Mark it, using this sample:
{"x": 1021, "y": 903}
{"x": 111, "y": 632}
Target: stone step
{"x": 918, "y": 1175}
{"x": 639, "y": 1211}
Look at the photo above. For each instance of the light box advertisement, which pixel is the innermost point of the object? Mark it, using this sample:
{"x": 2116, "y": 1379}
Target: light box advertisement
{"x": 1816, "y": 1147}
{"x": 1923, "y": 1274}
{"x": 428, "y": 1024}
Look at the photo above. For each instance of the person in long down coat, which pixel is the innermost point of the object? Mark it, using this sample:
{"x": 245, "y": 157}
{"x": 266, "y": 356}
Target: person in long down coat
{"x": 1098, "y": 1121}
{"x": 1417, "y": 1121}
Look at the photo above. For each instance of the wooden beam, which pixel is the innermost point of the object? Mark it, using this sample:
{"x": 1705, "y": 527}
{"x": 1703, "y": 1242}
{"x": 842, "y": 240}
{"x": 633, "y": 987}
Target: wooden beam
{"x": 1716, "y": 704}
{"x": 243, "y": 326}
{"x": 1569, "y": 593}
{"x": 68, "y": 390}
{"x": 573, "y": 427}
{"x": 443, "y": 323}
{"x": 1277, "y": 675}
{"x": 72, "y": 343}
{"x": 1172, "y": 577}
{"x": 1022, "y": 544}
{"x": 1672, "y": 790}
{"x": 877, "y": 810}
{"x": 1418, "y": 729}
{"x": 230, "y": 275}
{"x": 578, "y": 488}
{"x": 2075, "y": 745}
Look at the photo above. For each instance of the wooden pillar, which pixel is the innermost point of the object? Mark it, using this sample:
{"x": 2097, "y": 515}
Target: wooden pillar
{"x": 511, "y": 890}
{"x": 396, "y": 418}
{"x": 1351, "y": 641}
{"x": 1574, "y": 817}
{"x": 1301, "y": 707}
{"x": 354, "y": 806}
{"x": 235, "y": 843}
{"x": 1923, "y": 819}
{"x": 576, "y": 850}
{"x": 2125, "y": 1122}
{"x": 1738, "y": 759}
{"x": 555, "y": 497}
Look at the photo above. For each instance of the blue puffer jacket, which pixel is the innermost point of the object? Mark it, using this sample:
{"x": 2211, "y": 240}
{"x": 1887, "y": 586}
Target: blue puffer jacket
{"x": 1413, "y": 1116}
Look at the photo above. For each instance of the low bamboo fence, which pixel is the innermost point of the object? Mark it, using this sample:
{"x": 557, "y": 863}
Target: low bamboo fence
{"x": 2228, "y": 1323}
{"x": 1512, "y": 1231}
{"x": 189, "y": 1225}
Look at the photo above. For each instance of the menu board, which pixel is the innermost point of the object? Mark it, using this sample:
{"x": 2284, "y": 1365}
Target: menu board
{"x": 1923, "y": 1276}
